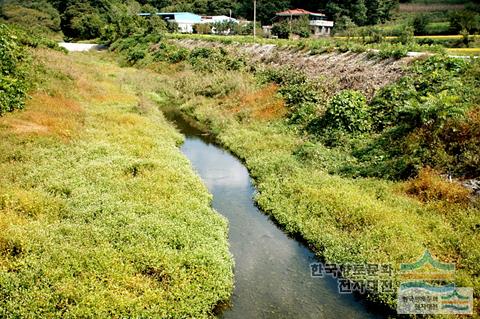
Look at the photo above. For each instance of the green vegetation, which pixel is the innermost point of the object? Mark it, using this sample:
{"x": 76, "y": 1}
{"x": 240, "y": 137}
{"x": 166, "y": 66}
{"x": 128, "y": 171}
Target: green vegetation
{"x": 285, "y": 28}
{"x": 430, "y": 116}
{"x": 100, "y": 214}
{"x": 298, "y": 140}
{"x": 39, "y": 17}
{"x": 13, "y": 71}
{"x": 114, "y": 19}
{"x": 426, "y": 18}
{"x": 385, "y": 48}
{"x": 92, "y": 18}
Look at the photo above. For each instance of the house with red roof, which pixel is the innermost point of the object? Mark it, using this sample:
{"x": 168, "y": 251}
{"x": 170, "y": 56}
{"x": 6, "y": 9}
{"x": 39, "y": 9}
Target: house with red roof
{"x": 319, "y": 25}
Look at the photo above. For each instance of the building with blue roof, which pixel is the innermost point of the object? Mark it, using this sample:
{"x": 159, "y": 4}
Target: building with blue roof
{"x": 187, "y": 20}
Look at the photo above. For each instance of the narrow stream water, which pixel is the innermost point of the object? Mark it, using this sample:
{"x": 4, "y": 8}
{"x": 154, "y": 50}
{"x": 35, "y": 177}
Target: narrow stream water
{"x": 272, "y": 270}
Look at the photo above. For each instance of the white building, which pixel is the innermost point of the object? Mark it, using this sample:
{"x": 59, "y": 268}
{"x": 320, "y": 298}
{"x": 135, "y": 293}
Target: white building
{"x": 187, "y": 20}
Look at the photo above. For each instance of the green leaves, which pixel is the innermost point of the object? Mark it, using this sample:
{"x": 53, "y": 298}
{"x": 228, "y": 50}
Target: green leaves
{"x": 431, "y": 110}
{"x": 302, "y": 96}
{"x": 348, "y": 110}
{"x": 13, "y": 85}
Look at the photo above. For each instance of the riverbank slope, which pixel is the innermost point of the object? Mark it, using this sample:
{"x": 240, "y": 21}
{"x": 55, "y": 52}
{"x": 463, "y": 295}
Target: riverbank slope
{"x": 100, "y": 213}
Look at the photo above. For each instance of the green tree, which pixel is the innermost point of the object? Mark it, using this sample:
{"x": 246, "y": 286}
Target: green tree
{"x": 464, "y": 20}
{"x": 37, "y": 16}
{"x": 360, "y": 10}
{"x": 344, "y": 23}
{"x": 420, "y": 23}
{"x": 281, "y": 29}
{"x": 82, "y": 21}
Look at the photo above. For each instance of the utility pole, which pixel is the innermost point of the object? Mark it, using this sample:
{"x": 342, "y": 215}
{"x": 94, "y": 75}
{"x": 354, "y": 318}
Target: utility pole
{"x": 254, "y": 20}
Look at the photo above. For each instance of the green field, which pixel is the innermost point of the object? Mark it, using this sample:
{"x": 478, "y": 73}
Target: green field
{"x": 100, "y": 214}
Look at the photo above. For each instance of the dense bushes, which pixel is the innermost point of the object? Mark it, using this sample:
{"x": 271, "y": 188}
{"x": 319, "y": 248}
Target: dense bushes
{"x": 13, "y": 82}
{"x": 285, "y": 28}
{"x": 426, "y": 118}
{"x": 302, "y": 96}
{"x": 39, "y": 17}
{"x": 348, "y": 110}
{"x": 209, "y": 60}
{"x": 429, "y": 117}
{"x": 151, "y": 47}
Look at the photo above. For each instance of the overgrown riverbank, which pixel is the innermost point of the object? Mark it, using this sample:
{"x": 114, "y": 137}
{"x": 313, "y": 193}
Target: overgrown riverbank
{"x": 100, "y": 214}
{"x": 297, "y": 141}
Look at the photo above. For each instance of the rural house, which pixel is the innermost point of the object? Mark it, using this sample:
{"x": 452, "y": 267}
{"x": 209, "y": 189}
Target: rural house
{"x": 319, "y": 25}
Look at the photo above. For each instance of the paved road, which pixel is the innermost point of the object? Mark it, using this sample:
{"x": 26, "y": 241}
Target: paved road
{"x": 81, "y": 47}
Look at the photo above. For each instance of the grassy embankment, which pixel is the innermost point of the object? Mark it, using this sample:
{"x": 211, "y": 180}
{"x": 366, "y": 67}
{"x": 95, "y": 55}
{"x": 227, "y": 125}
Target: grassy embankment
{"x": 388, "y": 47}
{"x": 344, "y": 219}
{"x": 100, "y": 213}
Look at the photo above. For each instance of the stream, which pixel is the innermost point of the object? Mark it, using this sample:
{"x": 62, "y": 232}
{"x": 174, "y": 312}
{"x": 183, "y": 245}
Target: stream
{"x": 272, "y": 271}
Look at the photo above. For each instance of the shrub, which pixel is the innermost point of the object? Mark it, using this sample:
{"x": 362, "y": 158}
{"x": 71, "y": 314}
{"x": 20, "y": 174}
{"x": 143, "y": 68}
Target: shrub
{"x": 169, "y": 53}
{"x": 135, "y": 47}
{"x": 420, "y": 23}
{"x": 407, "y": 35}
{"x": 427, "y": 118}
{"x": 348, "y": 110}
{"x": 172, "y": 26}
{"x": 210, "y": 60}
{"x": 430, "y": 186}
{"x": 372, "y": 35}
{"x": 396, "y": 51}
{"x": 298, "y": 27}
{"x": 39, "y": 17}
{"x": 464, "y": 20}
{"x": 302, "y": 96}
{"x": 247, "y": 29}
{"x": 388, "y": 100}
{"x": 281, "y": 30}
{"x": 13, "y": 84}
{"x": 432, "y": 111}
{"x": 202, "y": 28}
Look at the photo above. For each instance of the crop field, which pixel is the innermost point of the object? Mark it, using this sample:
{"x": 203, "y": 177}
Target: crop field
{"x": 100, "y": 214}
{"x": 464, "y": 51}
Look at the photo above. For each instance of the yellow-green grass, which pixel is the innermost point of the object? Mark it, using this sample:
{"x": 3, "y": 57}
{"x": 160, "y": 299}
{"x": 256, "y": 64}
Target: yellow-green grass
{"x": 464, "y": 51}
{"x": 101, "y": 216}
